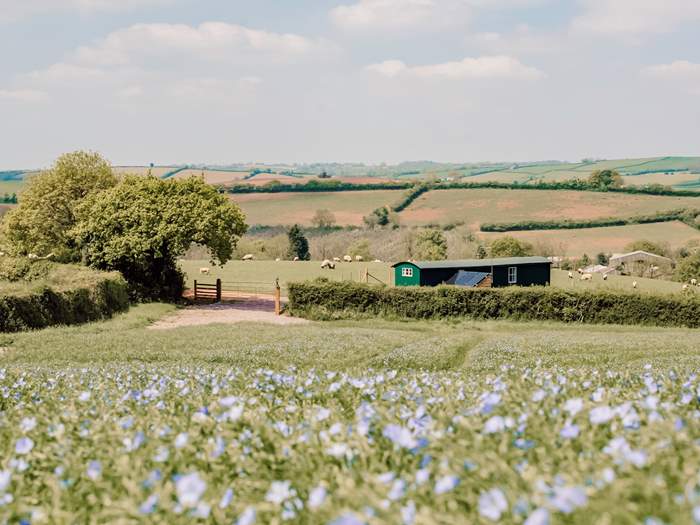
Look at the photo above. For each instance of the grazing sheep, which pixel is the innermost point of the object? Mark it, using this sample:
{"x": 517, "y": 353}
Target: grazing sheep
{"x": 347, "y": 258}
{"x": 605, "y": 276}
{"x": 580, "y": 271}
{"x": 685, "y": 288}
{"x": 33, "y": 256}
{"x": 336, "y": 259}
{"x": 571, "y": 275}
{"x": 377, "y": 260}
{"x": 327, "y": 264}
{"x": 634, "y": 285}
{"x": 248, "y": 257}
{"x": 359, "y": 258}
{"x": 278, "y": 259}
{"x": 587, "y": 277}
{"x": 296, "y": 258}
{"x": 694, "y": 282}
{"x": 205, "y": 271}
{"x": 2, "y": 254}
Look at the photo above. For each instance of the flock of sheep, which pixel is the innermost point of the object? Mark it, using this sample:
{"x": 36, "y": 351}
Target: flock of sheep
{"x": 34, "y": 256}
{"x": 589, "y": 277}
{"x": 327, "y": 264}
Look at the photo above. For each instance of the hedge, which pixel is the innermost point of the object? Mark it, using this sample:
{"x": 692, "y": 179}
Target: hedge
{"x": 49, "y": 308}
{"x": 337, "y": 300}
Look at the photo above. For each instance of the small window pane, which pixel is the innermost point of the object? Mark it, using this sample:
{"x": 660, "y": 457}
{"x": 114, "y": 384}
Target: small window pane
{"x": 407, "y": 272}
{"x": 512, "y": 274}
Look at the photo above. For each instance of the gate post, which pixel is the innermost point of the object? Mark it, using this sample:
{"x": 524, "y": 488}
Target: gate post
{"x": 218, "y": 290}
{"x": 278, "y": 306}
{"x": 195, "y": 290}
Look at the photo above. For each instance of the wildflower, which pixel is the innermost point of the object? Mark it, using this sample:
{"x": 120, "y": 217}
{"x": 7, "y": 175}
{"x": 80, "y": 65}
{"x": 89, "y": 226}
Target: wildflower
{"x": 492, "y": 504}
{"x": 84, "y": 397}
{"x": 94, "y": 470}
{"x": 573, "y": 406}
{"x": 570, "y": 431}
{"x": 538, "y": 517}
{"x": 27, "y": 424}
{"x": 347, "y": 519}
{"x": 148, "y": 506}
{"x": 400, "y": 436}
{"x": 494, "y": 424}
{"x": 202, "y": 510}
{"x": 226, "y": 498}
{"x": 279, "y": 492}
{"x": 408, "y": 513}
{"x": 422, "y": 476}
{"x": 601, "y": 415}
{"x": 161, "y": 455}
{"x": 398, "y": 489}
{"x": 247, "y": 517}
{"x": 568, "y": 499}
{"x": 696, "y": 514}
{"x": 181, "y": 440}
{"x": 24, "y": 446}
{"x": 446, "y": 484}
{"x": 338, "y": 450}
{"x": 189, "y": 489}
{"x": 316, "y": 497}
{"x": 5, "y": 477}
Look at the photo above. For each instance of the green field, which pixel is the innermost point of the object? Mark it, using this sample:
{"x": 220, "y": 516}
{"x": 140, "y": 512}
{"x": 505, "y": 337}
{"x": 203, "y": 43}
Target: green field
{"x": 349, "y": 207}
{"x": 437, "y": 422}
{"x": 477, "y": 206}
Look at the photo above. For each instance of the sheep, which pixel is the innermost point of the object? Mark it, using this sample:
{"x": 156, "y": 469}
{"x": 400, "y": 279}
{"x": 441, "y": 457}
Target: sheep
{"x": 205, "y": 271}
{"x": 347, "y": 258}
{"x": 33, "y": 257}
{"x": 336, "y": 259}
{"x": 605, "y": 276}
{"x": 248, "y": 257}
{"x": 580, "y": 271}
{"x": 359, "y": 258}
{"x": 278, "y": 259}
{"x": 327, "y": 264}
{"x": 587, "y": 277}
{"x": 571, "y": 275}
{"x": 685, "y": 288}
{"x": 377, "y": 260}
{"x": 634, "y": 285}
{"x": 296, "y": 259}
{"x": 694, "y": 282}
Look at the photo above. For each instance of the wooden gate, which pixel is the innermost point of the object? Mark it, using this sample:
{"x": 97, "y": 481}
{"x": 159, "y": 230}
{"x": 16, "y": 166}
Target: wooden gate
{"x": 222, "y": 291}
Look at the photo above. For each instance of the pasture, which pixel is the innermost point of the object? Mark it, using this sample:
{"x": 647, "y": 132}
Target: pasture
{"x": 612, "y": 239}
{"x": 213, "y": 176}
{"x": 476, "y": 206}
{"x": 349, "y": 207}
{"x": 432, "y": 422}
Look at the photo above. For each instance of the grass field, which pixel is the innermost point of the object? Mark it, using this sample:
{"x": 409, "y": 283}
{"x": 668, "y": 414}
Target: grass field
{"x": 11, "y": 186}
{"x": 354, "y": 422}
{"x": 477, "y": 206}
{"x": 349, "y": 207}
{"x": 606, "y": 240}
{"x": 213, "y": 176}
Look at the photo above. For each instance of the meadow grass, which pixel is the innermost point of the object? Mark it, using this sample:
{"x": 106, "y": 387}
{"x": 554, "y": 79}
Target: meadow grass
{"x": 349, "y": 423}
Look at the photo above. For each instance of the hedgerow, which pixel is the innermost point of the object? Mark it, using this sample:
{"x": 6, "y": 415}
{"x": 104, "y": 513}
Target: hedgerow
{"x": 314, "y": 186}
{"x": 47, "y": 307}
{"x": 337, "y": 300}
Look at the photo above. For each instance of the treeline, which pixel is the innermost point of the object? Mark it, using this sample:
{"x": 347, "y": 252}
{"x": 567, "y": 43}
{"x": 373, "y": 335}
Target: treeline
{"x": 314, "y": 185}
{"x": 322, "y": 299}
{"x": 8, "y": 198}
{"x": 684, "y": 214}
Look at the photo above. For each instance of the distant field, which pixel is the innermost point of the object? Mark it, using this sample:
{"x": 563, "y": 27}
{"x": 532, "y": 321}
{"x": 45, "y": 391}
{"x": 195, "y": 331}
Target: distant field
{"x": 11, "y": 186}
{"x": 213, "y": 176}
{"x": 477, "y": 206}
{"x": 667, "y": 179}
{"x": 286, "y": 271}
{"x": 4, "y": 208}
{"x": 560, "y": 279}
{"x": 607, "y": 240}
{"x": 157, "y": 171}
{"x": 349, "y": 207}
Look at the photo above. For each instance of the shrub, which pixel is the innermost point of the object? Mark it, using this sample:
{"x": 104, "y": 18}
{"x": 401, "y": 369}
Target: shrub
{"x": 510, "y": 247}
{"x": 345, "y": 299}
{"x": 48, "y": 307}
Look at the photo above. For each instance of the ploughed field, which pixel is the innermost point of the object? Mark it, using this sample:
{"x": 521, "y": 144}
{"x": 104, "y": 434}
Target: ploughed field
{"x": 355, "y": 422}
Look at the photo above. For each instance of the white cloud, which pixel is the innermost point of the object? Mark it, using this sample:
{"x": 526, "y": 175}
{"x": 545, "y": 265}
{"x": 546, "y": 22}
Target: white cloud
{"x": 475, "y": 68}
{"x": 680, "y": 69}
{"x": 15, "y": 9}
{"x": 23, "y": 95}
{"x": 522, "y": 40}
{"x": 627, "y": 18}
{"x": 399, "y": 14}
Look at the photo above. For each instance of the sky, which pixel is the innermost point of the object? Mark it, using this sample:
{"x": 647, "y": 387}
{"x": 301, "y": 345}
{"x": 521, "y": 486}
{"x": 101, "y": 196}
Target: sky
{"x": 225, "y": 81}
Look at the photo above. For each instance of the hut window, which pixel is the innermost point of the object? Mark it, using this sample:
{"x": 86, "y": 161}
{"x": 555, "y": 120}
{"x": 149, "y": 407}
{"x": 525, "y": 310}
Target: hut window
{"x": 406, "y": 272}
{"x": 512, "y": 274}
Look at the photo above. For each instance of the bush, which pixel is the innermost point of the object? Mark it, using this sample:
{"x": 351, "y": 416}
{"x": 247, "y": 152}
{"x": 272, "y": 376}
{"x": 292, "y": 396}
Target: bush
{"x": 345, "y": 299}
{"x": 48, "y": 307}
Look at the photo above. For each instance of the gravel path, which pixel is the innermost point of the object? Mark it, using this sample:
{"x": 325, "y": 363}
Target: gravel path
{"x": 255, "y": 309}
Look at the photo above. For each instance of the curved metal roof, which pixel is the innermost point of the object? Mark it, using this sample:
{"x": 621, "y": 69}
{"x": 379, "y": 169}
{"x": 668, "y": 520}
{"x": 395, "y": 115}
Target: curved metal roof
{"x": 476, "y": 263}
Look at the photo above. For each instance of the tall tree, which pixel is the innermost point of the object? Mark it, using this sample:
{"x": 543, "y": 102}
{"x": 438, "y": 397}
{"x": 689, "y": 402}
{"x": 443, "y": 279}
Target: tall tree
{"x": 298, "y": 244}
{"x": 142, "y": 225}
{"x": 47, "y": 210}
{"x": 323, "y": 219}
{"x": 508, "y": 246}
{"x": 605, "y": 179}
{"x": 431, "y": 245}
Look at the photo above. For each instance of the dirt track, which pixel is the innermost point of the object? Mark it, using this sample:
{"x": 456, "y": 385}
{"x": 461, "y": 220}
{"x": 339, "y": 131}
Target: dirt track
{"x": 254, "y": 309}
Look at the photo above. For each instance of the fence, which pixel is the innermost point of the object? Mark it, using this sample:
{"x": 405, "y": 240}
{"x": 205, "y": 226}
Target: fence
{"x": 232, "y": 290}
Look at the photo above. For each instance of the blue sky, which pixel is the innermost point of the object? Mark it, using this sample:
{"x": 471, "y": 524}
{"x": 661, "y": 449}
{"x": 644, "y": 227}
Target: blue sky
{"x": 221, "y": 81}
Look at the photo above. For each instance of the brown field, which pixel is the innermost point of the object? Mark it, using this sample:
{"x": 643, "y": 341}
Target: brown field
{"x": 477, "y": 206}
{"x": 4, "y": 208}
{"x": 606, "y": 240}
{"x": 264, "y": 178}
{"x": 667, "y": 179}
{"x": 349, "y": 207}
{"x": 213, "y": 176}
{"x": 157, "y": 171}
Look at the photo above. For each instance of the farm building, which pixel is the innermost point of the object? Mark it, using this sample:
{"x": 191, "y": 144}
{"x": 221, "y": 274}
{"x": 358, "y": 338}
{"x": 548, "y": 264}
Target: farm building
{"x": 507, "y": 271}
{"x": 639, "y": 263}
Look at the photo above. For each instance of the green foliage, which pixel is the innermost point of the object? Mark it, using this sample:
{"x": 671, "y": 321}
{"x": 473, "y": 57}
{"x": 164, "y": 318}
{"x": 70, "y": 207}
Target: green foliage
{"x": 430, "y": 245}
{"x": 648, "y": 246}
{"x": 315, "y": 185}
{"x": 8, "y": 198}
{"x": 323, "y": 219}
{"x": 605, "y": 179}
{"x": 481, "y": 252}
{"x": 688, "y": 268}
{"x": 23, "y": 269}
{"x": 48, "y": 307}
{"x": 47, "y": 211}
{"x": 141, "y": 226}
{"x": 298, "y": 244}
{"x": 341, "y": 299}
{"x": 361, "y": 248}
{"x": 510, "y": 247}
{"x": 602, "y": 259}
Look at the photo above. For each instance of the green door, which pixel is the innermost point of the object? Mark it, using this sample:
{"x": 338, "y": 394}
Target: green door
{"x": 407, "y": 274}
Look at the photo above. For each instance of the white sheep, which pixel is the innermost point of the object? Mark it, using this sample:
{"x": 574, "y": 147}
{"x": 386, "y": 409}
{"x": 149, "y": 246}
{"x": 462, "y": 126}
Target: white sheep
{"x": 2, "y": 254}
{"x": 634, "y": 285}
{"x": 587, "y": 277}
{"x": 205, "y": 271}
{"x": 571, "y": 275}
{"x": 605, "y": 276}
{"x": 694, "y": 282}
{"x": 296, "y": 258}
{"x": 336, "y": 259}
{"x": 327, "y": 264}
{"x": 347, "y": 258}
{"x": 248, "y": 257}
{"x": 278, "y": 259}
{"x": 685, "y": 288}
{"x": 377, "y": 260}
{"x": 359, "y": 258}
{"x": 580, "y": 271}
{"x": 33, "y": 256}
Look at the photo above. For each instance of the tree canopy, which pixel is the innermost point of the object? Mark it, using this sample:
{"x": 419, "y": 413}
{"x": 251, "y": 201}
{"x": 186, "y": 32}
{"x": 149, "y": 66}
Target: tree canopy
{"x": 323, "y": 219}
{"x": 143, "y": 224}
{"x": 431, "y": 245}
{"x": 688, "y": 268}
{"x": 648, "y": 246}
{"x": 298, "y": 244}
{"x": 46, "y": 212}
{"x": 510, "y": 247}
{"x": 605, "y": 179}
